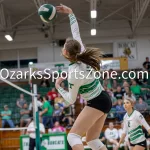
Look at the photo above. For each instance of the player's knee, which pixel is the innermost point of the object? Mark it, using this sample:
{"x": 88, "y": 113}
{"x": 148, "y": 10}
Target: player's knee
{"x": 96, "y": 145}
{"x": 74, "y": 139}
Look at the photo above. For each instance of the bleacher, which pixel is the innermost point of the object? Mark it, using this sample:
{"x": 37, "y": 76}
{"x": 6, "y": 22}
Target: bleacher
{"x": 9, "y": 96}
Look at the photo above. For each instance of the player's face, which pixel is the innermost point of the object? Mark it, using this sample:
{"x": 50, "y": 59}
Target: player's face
{"x": 127, "y": 105}
{"x": 64, "y": 51}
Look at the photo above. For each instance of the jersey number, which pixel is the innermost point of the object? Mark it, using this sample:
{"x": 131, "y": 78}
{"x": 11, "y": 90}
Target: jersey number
{"x": 129, "y": 124}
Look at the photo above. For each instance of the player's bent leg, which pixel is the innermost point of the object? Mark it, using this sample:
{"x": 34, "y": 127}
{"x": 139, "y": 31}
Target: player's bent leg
{"x": 137, "y": 147}
{"x": 86, "y": 119}
{"x": 92, "y": 136}
{"x": 131, "y": 147}
{"x": 95, "y": 130}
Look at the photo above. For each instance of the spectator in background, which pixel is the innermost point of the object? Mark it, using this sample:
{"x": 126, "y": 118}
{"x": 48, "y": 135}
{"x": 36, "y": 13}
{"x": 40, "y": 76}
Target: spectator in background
{"x": 68, "y": 120}
{"x": 129, "y": 94}
{"x": 31, "y": 131}
{"x": 52, "y": 95}
{"x": 39, "y": 104}
{"x": 111, "y": 135}
{"x": 136, "y": 89}
{"x": 57, "y": 128}
{"x": 141, "y": 106}
{"x": 113, "y": 99}
{"x": 21, "y": 101}
{"x": 44, "y": 82}
{"x": 146, "y": 64}
{"x": 125, "y": 84}
{"x": 113, "y": 82}
{"x": 141, "y": 80}
{"x": 25, "y": 118}
{"x": 107, "y": 82}
{"x": 6, "y": 117}
{"x": 102, "y": 137}
{"x": 57, "y": 115}
{"x": 47, "y": 113}
{"x": 59, "y": 99}
{"x": 120, "y": 111}
{"x": 118, "y": 94}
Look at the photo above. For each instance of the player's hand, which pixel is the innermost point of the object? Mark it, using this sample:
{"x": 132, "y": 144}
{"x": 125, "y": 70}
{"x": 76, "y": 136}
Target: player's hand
{"x": 64, "y": 9}
{"x": 118, "y": 146}
{"x": 58, "y": 82}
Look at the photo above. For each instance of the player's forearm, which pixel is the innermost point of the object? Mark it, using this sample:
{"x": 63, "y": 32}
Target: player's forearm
{"x": 122, "y": 138}
{"x": 145, "y": 124}
{"x": 75, "y": 30}
{"x": 66, "y": 96}
{"x": 44, "y": 111}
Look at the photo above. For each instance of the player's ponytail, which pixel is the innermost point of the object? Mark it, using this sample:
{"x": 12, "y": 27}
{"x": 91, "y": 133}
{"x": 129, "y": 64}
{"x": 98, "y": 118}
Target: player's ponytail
{"x": 91, "y": 56}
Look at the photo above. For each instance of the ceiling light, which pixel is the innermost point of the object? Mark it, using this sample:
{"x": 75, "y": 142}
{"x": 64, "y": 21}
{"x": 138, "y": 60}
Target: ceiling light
{"x": 8, "y": 37}
{"x": 93, "y": 13}
{"x": 93, "y": 31}
{"x": 30, "y": 63}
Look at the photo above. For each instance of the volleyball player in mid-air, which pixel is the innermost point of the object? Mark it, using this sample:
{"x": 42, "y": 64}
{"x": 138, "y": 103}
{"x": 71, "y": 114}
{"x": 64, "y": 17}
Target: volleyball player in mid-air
{"x": 92, "y": 117}
{"x": 133, "y": 122}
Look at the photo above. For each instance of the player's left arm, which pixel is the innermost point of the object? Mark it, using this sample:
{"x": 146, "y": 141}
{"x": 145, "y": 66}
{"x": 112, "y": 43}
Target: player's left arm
{"x": 143, "y": 122}
{"x": 75, "y": 30}
{"x": 71, "y": 96}
{"x": 73, "y": 23}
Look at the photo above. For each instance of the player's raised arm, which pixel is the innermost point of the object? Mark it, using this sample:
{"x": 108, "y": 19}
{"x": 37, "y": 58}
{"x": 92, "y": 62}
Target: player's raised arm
{"x": 73, "y": 23}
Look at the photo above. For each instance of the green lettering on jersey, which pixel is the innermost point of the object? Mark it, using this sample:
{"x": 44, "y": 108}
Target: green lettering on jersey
{"x": 70, "y": 85}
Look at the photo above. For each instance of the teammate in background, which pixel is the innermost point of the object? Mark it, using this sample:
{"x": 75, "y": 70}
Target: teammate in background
{"x": 133, "y": 122}
{"x": 112, "y": 136}
{"x": 92, "y": 117}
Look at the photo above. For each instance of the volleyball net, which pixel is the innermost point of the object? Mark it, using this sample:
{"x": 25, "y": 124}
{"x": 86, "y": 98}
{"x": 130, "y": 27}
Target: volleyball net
{"x": 35, "y": 110}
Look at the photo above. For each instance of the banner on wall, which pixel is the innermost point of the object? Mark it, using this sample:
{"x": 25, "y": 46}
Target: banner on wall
{"x": 110, "y": 64}
{"x": 54, "y": 141}
{"x": 127, "y": 49}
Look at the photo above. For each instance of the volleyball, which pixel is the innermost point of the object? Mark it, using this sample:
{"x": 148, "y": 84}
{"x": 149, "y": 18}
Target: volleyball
{"x": 47, "y": 13}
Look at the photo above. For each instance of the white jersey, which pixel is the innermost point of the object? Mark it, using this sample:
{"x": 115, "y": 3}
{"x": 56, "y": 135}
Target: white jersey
{"x": 133, "y": 127}
{"x": 31, "y": 127}
{"x": 111, "y": 134}
{"x": 81, "y": 78}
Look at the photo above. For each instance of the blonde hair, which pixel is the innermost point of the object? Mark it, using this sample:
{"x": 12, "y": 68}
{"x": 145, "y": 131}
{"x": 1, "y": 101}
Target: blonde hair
{"x": 129, "y": 99}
